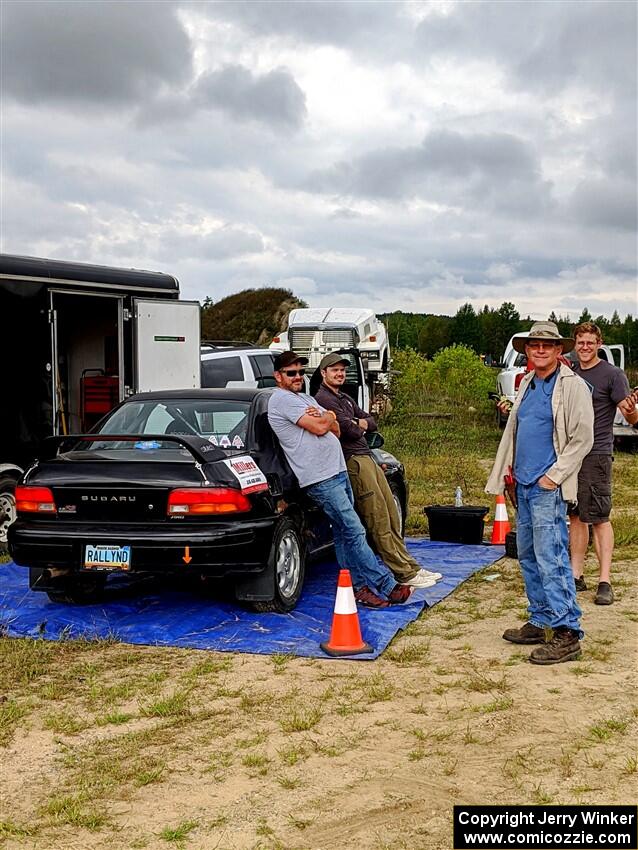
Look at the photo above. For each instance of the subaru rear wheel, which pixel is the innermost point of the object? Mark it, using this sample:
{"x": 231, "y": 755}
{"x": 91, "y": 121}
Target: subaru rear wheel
{"x": 288, "y": 561}
{"x": 7, "y": 506}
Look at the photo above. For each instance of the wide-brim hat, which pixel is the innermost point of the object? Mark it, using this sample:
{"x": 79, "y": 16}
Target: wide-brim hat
{"x": 544, "y": 332}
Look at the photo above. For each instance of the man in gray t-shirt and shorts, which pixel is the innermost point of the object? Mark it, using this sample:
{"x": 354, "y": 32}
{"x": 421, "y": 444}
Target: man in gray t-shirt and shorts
{"x": 308, "y": 434}
{"x": 610, "y": 389}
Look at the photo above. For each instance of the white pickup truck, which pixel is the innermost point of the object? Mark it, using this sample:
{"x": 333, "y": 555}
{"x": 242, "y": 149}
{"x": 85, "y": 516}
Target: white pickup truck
{"x": 515, "y": 366}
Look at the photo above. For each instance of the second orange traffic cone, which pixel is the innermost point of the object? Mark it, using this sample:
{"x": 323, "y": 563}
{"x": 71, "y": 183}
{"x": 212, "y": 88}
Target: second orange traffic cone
{"x": 501, "y": 522}
{"x": 345, "y": 636}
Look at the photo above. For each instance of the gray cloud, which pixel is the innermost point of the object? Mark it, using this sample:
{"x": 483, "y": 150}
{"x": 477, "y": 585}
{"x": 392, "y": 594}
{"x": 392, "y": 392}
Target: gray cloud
{"x": 221, "y": 244}
{"x": 545, "y": 46}
{"x": 273, "y": 98}
{"x": 497, "y": 170}
{"x": 605, "y": 203}
{"x": 93, "y": 52}
{"x": 400, "y": 184}
{"x": 343, "y": 23}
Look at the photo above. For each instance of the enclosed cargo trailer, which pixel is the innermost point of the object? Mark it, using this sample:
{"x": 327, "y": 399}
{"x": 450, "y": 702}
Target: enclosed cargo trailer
{"x": 76, "y": 340}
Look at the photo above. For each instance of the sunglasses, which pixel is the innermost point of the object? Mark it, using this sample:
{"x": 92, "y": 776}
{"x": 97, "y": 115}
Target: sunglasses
{"x": 292, "y": 373}
{"x": 535, "y": 345}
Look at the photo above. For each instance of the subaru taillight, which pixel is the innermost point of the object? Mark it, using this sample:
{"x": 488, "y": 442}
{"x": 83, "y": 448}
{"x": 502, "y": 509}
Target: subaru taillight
{"x": 34, "y": 500}
{"x": 206, "y": 500}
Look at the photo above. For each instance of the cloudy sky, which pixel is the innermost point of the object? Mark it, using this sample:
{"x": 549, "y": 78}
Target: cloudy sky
{"x": 403, "y": 155}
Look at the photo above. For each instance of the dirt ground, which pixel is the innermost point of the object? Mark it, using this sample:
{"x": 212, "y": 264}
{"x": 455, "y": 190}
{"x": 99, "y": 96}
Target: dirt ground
{"x": 110, "y": 746}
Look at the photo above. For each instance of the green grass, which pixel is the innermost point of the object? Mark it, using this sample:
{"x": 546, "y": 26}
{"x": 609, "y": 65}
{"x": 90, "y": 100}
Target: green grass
{"x": 11, "y": 714}
{"x": 173, "y": 705}
{"x": 10, "y": 829}
{"x": 607, "y": 729}
{"x": 301, "y": 720}
{"x": 72, "y": 810}
{"x": 180, "y": 832}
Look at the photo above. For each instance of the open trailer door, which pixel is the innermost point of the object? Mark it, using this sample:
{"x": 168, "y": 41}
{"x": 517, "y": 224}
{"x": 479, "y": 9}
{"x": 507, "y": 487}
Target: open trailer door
{"x": 167, "y": 338}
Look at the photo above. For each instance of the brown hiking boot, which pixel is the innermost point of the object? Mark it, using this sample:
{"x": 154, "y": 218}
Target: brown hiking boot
{"x": 564, "y": 646}
{"x": 526, "y": 634}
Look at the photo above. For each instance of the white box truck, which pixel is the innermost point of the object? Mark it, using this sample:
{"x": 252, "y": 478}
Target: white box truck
{"x": 315, "y": 331}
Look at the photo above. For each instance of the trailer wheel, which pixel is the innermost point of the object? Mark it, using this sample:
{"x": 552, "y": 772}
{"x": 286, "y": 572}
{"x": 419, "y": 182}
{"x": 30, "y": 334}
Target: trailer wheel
{"x": 7, "y": 506}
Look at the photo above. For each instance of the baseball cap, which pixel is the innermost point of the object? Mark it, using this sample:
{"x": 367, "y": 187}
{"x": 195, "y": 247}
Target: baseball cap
{"x": 332, "y": 359}
{"x": 287, "y": 358}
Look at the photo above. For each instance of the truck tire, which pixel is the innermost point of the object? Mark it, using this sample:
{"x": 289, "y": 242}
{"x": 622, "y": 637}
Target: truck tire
{"x": 7, "y": 506}
{"x": 288, "y": 560}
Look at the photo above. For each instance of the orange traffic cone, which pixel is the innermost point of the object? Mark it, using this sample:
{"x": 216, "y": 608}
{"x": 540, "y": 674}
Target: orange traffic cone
{"x": 345, "y": 636}
{"x": 501, "y": 522}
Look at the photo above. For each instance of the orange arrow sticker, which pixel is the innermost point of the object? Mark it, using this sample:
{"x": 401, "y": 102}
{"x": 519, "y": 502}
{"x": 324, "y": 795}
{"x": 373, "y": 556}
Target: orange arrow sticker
{"x": 186, "y": 556}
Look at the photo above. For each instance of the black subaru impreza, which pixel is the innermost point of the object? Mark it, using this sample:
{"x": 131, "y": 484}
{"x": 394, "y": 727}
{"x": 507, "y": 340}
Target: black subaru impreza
{"x": 186, "y": 482}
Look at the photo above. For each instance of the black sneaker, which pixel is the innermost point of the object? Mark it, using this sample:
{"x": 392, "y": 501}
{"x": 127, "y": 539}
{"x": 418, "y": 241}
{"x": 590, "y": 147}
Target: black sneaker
{"x": 564, "y": 646}
{"x": 580, "y": 583}
{"x": 526, "y": 634}
{"x": 604, "y": 594}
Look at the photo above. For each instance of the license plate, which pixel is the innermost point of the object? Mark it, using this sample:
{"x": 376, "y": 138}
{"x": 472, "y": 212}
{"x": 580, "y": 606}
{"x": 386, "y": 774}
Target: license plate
{"x": 105, "y": 557}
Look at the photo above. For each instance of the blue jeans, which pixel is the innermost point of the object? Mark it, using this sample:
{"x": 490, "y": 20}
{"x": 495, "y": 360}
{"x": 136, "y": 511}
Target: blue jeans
{"x": 334, "y": 496}
{"x": 541, "y": 539}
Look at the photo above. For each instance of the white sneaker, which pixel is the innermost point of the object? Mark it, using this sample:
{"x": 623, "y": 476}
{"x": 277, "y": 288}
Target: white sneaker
{"x": 430, "y": 574}
{"x": 420, "y": 580}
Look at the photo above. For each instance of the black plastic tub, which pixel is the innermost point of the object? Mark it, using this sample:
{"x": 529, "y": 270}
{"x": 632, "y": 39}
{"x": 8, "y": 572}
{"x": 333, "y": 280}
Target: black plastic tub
{"x": 456, "y": 525}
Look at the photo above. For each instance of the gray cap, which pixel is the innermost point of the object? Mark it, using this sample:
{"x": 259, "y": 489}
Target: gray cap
{"x": 332, "y": 359}
{"x": 545, "y": 332}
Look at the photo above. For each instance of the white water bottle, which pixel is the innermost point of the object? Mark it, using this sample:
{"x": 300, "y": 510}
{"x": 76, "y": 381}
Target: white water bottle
{"x": 458, "y": 498}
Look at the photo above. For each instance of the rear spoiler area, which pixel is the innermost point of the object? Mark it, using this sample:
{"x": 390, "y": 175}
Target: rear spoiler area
{"x": 201, "y": 450}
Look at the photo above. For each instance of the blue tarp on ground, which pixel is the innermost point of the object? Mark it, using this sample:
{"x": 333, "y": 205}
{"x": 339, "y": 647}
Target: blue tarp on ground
{"x": 151, "y": 615}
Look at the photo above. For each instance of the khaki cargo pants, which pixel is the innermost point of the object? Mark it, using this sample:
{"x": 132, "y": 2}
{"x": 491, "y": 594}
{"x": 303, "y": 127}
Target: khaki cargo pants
{"x": 375, "y": 505}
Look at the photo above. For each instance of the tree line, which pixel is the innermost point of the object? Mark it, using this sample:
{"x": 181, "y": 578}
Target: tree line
{"x": 256, "y": 315}
{"x": 488, "y": 331}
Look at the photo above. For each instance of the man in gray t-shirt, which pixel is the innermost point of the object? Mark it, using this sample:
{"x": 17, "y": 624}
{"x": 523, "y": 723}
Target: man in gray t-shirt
{"x": 308, "y": 434}
{"x": 313, "y": 457}
{"x": 609, "y": 388}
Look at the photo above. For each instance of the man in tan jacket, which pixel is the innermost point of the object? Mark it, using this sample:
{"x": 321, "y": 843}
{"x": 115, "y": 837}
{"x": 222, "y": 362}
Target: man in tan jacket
{"x": 549, "y": 431}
